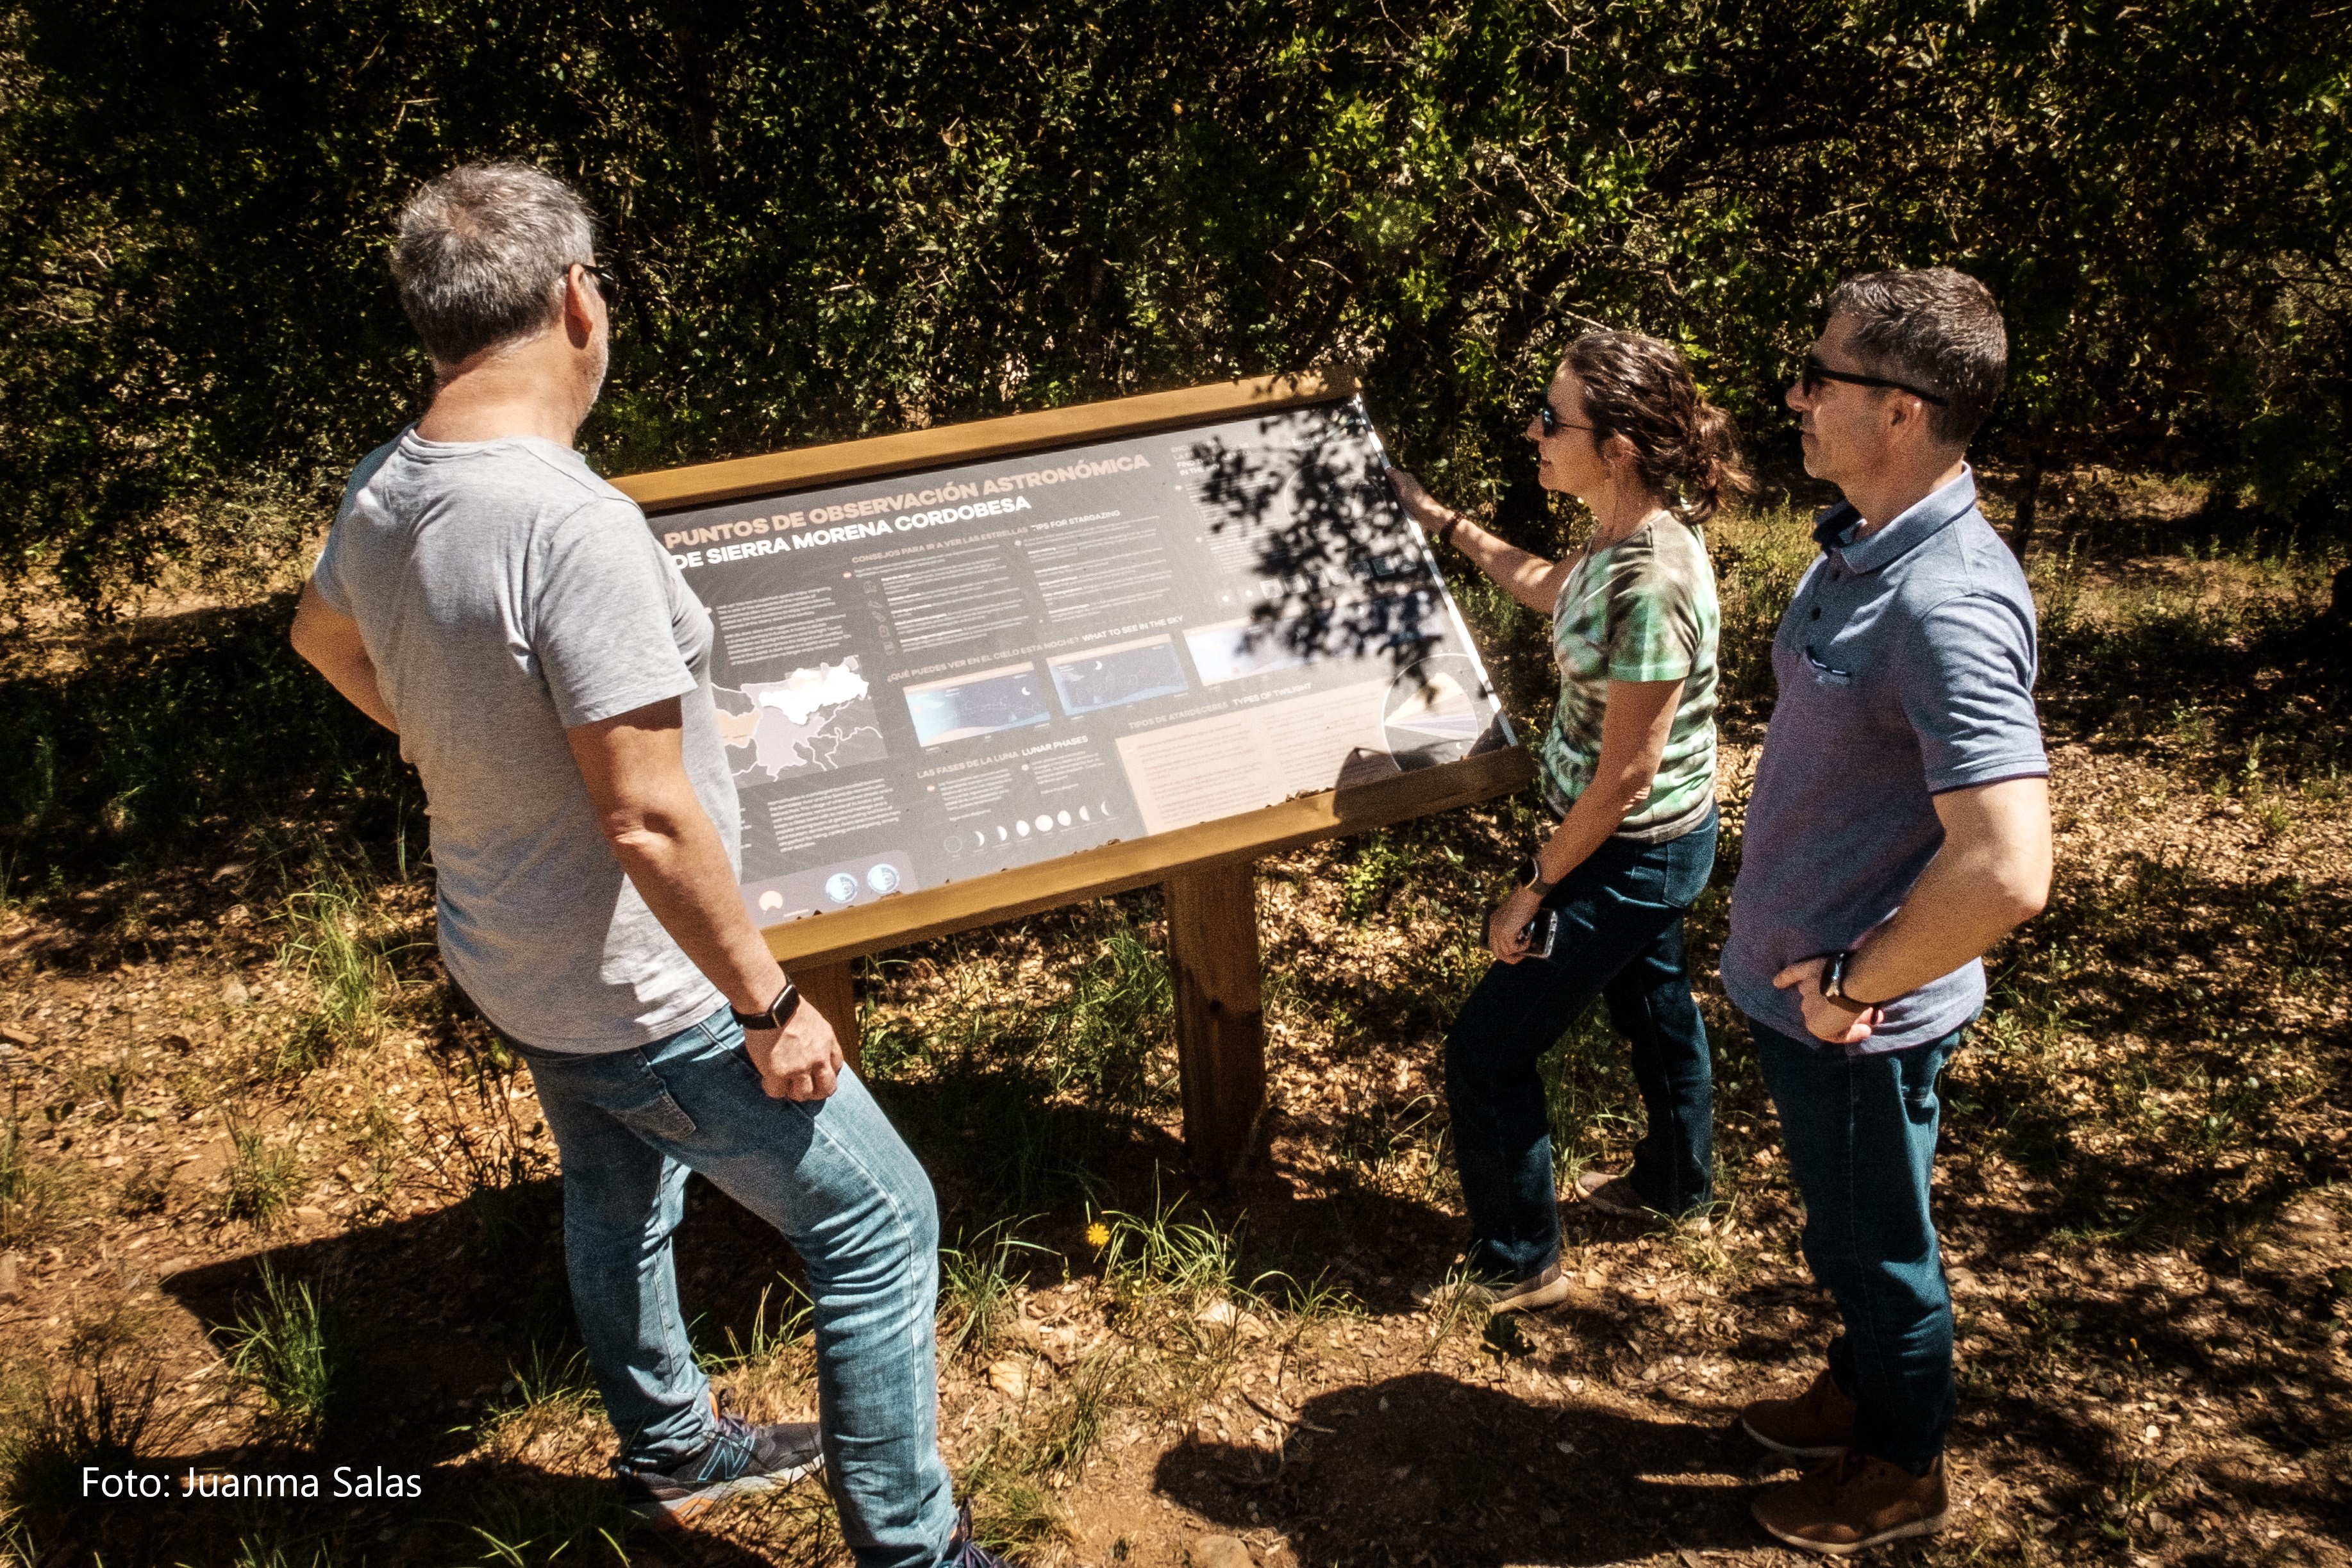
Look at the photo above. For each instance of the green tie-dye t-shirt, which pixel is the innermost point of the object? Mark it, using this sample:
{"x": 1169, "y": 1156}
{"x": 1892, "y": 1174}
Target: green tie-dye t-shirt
{"x": 1643, "y": 609}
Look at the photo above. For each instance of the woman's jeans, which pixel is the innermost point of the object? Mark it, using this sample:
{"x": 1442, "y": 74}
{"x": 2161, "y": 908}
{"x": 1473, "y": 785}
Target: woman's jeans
{"x": 1620, "y": 937}
{"x": 1860, "y": 1136}
{"x": 833, "y": 1177}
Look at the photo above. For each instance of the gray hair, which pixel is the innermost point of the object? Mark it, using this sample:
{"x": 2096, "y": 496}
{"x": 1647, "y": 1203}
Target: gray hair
{"x": 482, "y": 254}
{"x": 1938, "y": 329}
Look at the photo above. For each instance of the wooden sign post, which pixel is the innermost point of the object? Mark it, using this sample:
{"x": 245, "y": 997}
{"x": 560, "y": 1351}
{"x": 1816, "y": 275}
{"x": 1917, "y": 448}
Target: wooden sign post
{"x": 1204, "y": 868}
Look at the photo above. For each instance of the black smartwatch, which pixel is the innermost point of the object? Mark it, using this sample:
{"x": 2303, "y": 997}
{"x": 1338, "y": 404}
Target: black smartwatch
{"x": 1833, "y": 984}
{"x": 1534, "y": 880}
{"x": 787, "y": 1002}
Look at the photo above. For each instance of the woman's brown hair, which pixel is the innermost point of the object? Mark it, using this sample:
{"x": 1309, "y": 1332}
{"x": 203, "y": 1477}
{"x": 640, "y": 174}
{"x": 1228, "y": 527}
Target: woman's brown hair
{"x": 1685, "y": 447}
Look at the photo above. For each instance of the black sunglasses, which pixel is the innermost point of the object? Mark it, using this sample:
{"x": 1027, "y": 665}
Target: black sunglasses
{"x": 1553, "y": 422}
{"x": 606, "y": 284}
{"x": 1815, "y": 373}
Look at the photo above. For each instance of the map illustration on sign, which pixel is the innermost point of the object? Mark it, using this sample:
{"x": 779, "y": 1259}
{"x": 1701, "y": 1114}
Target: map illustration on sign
{"x": 820, "y": 718}
{"x": 925, "y": 677}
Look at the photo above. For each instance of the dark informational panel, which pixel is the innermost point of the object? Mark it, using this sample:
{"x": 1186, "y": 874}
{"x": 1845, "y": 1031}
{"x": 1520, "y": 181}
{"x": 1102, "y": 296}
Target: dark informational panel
{"x": 949, "y": 672}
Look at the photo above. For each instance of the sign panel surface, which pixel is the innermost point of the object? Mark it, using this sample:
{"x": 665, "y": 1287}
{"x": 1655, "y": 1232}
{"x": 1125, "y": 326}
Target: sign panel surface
{"x": 933, "y": 677}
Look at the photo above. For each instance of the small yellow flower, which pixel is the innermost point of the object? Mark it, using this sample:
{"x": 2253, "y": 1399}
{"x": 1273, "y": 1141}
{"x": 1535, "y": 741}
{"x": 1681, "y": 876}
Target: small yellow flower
{"x": 1098, "y": 1235}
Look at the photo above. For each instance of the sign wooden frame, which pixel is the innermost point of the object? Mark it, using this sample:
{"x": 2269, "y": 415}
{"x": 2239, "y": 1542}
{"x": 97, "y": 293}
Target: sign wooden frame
{"x": 1206, "y": 868}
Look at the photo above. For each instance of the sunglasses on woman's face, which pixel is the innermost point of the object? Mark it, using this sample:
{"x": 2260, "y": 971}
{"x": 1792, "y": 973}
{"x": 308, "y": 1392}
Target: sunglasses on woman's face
{"x": 1551, "y": 422}
{"x": 1815, "y": 373}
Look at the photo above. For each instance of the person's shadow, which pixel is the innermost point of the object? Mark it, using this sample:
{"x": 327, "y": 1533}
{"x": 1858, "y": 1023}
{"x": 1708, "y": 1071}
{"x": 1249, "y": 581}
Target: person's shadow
{"x": 1471, "y": 1475}
{"x": 430, "y": 1320}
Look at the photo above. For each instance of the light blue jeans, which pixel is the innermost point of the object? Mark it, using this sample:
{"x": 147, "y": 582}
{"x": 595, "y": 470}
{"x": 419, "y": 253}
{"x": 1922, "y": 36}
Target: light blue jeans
{"x": 834, "y": 1178}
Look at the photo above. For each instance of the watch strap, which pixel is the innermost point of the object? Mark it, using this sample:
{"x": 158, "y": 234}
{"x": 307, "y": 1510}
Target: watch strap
{"x": 787, "y": 1002}
{"x": 1534, "y": 880}
{"x": 1834, "y": 984}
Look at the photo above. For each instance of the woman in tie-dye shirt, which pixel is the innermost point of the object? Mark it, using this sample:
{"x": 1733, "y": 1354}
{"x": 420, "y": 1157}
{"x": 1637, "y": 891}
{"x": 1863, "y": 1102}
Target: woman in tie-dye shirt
{"x": 1628, "y": 765}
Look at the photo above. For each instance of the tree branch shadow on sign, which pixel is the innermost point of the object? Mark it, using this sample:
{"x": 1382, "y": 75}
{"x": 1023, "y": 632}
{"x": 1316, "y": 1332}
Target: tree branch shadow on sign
{"x": 1342, "y": 574}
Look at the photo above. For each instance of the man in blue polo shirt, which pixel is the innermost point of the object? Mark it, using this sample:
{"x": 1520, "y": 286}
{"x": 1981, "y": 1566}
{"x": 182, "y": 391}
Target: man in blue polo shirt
{"x": 1900, "y": 825}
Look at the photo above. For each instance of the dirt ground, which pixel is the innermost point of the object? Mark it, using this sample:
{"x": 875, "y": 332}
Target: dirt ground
{"x": 2142, "y": 1199}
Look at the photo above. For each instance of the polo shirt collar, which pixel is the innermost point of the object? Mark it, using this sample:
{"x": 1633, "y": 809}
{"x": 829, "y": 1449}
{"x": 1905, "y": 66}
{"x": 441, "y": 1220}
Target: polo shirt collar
{"x": 1928, "y": 517}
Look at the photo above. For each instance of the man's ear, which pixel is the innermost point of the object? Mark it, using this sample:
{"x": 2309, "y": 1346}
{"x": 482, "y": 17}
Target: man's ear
{"x": 579, "y": 315}
{"x": 1907, "y": 420}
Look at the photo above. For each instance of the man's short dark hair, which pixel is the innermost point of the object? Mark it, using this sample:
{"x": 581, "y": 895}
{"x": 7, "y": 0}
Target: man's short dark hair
{"x": 482, "y": 255}
{"x": 1937, "y": 329}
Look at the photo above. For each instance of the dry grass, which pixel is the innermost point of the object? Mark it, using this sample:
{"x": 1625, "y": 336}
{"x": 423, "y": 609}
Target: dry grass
{"x": 2142, "y": 1183}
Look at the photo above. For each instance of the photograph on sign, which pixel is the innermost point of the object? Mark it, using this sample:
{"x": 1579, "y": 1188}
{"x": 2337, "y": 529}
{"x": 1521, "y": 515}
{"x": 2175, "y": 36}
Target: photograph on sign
{"x": 935, "y": 676}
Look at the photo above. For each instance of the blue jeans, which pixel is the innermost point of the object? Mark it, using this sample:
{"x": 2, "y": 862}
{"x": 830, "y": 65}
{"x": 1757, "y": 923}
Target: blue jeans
{"x": 833, "y": 1177}
{"x": 1860, "y": 1136}
{"x": 1620, "y": 937}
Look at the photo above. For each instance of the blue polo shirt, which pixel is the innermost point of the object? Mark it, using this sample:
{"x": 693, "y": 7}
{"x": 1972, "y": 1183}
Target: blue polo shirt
{"x": 1905, "y": 667}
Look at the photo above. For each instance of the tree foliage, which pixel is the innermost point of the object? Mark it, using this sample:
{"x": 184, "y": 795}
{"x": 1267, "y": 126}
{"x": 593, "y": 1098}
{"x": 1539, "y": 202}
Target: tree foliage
{"x": 838, "y": 218}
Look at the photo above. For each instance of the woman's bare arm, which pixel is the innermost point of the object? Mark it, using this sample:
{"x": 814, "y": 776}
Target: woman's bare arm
{"x": 1523, "y": 574}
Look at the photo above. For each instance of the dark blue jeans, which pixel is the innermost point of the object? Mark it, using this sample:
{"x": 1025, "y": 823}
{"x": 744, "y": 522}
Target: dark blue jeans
{"x": 1620, "y": 937}
{"x": 1861, "y": 1135}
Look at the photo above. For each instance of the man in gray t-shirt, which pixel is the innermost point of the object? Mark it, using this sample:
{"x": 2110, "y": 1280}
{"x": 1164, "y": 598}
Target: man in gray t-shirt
{"x": 510, "y": 615}
{"x": 509, "y": 596}
{"x": 1899, "y": 825}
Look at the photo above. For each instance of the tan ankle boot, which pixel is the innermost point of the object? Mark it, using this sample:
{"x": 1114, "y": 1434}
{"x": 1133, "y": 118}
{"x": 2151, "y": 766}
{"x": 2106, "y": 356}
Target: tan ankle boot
{"x": 1853, "y": 1502}
{"x": 1816, "y": 1424}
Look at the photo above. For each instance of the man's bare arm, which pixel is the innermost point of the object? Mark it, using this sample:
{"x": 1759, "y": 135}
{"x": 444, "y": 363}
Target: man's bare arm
{"x": 332, "y": 644}
{"x": 635, "y": 769}
{"x": 1992, "y": 876}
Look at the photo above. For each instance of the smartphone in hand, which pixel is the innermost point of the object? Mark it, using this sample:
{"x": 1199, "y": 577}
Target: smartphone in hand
{"x": 1541, "y": 932}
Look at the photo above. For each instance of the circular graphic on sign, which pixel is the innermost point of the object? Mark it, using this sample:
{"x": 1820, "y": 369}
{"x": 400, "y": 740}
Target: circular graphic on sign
{"x": 1433, "y": 711}
{"x": 1045, "y": 823}
{"x": 1023, "y": 827}
{"x": 1062, "y": 817}
{"x": 882, "y": 878}
{"x": 952, "y": 844}
{"x": 771, "y": 899}
{"x": 841, "y": 887}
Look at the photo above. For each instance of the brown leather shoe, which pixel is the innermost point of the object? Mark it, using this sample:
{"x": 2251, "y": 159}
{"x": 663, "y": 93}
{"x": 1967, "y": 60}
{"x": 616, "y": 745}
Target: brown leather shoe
{"x": 1613, "y": 1196}
{"x": 1548, "y": 1288}
{"x": 1816, "y": 1424}
{"x": 1852, "y": 1503}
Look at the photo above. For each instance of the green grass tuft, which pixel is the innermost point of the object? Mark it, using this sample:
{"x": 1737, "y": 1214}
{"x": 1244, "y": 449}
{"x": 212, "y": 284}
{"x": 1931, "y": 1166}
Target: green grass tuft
{"x": 328, "y": 940}
{"x": 289, "y": 1347}
{"x": 102, "y": 1412}
{"x": 976, "y": 1285}
{"x": 261, "y": 1179}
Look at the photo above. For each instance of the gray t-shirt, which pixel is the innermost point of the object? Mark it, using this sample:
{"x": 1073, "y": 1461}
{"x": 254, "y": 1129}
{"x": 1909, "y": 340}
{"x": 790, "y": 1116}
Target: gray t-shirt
{"x": 1906, "y": 669}
{"x": 506, "y": 594}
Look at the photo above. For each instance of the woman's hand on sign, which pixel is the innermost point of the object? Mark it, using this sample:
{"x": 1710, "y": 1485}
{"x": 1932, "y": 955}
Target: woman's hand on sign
{"x": 1423, "y": 507}
{"x": 1507, "y": 929}
{"x": 800, "y": 1061}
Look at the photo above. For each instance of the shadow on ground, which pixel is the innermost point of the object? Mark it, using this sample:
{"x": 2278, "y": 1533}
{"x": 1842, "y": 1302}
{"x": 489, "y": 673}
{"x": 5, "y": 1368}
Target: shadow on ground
{"x": 1475, "y": 1476}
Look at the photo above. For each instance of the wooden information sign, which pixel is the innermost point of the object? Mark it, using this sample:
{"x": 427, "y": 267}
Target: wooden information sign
{"x": 969, "y": 673}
